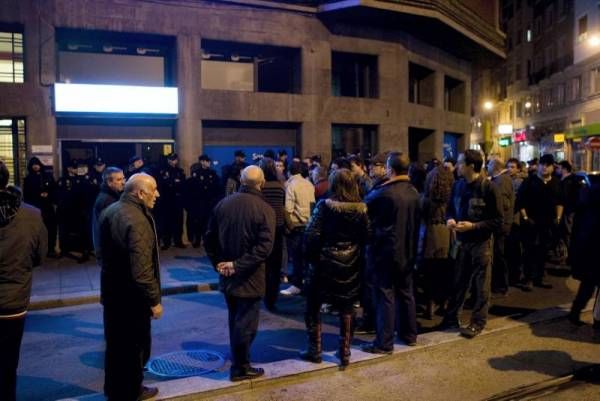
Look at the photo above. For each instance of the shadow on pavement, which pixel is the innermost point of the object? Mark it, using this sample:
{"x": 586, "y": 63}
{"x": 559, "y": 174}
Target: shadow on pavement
{"x": 63, "y": 324}
{"x": 548, "y": 362}
{"x": 567, "y": 331}
{"x": 195, "y": 275}
{"x": 32, "y": 388}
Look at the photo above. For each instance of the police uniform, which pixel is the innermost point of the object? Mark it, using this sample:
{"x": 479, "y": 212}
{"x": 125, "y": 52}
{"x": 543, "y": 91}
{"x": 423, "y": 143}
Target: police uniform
{"x": 202, "y": 191}
{"x": 171, "y": 181}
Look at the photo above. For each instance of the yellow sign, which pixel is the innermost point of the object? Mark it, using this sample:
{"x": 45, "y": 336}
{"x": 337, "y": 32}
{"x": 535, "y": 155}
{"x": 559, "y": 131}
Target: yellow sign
{"x": 167, "y": 149}
{"x": 559, "y": 138}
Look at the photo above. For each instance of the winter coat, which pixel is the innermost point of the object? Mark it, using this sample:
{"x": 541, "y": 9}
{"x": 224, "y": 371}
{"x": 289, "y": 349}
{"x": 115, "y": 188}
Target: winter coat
{"x": 395, "y": 214}
{"x": 586, "y": 236}
{"x": 241, "y": 230}
{"x": 38, "y": 183}
{"x": 335, "y": 238}
{"x": 506, "y": 200}
{"x": 105, "y": 198}
{"x": 23, "y": 245}
{"x": 128, "y": 254}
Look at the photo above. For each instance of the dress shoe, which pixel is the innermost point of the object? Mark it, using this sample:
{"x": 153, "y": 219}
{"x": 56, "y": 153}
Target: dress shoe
{"x": 236, "y": 375}
{"x": 147, "y": 392}
{"x": 574, "y": 319}
{"x": 471, "y": 331}
{"x": 373, "y": 349}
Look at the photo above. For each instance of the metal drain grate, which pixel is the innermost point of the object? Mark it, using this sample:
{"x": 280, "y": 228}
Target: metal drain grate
{"x": 186, "y": 363}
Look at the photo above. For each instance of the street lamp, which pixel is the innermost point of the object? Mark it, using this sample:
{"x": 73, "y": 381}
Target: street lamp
{"x": 594, "y": 41}
{"x": 488, "y": 105}
{"x": 527, "y": 105}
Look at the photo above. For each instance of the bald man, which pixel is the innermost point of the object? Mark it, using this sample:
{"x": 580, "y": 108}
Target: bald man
{"x": 239, "y": 239}
{"x": 130, "y": 287}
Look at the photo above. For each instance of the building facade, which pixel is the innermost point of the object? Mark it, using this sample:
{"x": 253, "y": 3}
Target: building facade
{"x": 314, "y": 77}
{"x": 550, "y": 101}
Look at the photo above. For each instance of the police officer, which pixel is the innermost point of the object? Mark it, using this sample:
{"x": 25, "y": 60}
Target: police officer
{"x": 39, "y": 190}
{"x": 67, "y": 223}
{"x": 171, "y": 181}
{"x": 136, "y": 165}
{"x": 85, "y": 195}
{"x": 202, "y": 192}
{"x": 96, "y": 174}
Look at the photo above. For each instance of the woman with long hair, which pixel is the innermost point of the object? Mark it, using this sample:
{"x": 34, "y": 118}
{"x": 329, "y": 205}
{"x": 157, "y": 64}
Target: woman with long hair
{"x": 335, "y": 239}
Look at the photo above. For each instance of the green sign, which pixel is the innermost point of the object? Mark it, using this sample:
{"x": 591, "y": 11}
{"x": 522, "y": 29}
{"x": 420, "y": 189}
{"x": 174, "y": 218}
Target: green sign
{"x": 504, "y": 142}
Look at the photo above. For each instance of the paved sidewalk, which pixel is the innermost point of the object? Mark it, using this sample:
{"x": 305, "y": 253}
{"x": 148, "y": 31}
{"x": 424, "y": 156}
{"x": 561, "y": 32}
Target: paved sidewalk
{"x": 61, "y": 282}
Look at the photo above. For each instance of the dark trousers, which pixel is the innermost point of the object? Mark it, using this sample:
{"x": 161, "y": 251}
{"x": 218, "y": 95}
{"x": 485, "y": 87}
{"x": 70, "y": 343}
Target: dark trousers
{"x": 438, "y": 276}
{"x": 537, "y": 240}
{"x": 395, "y": 308}
{"x": 514, "y": 252}
{"x": 499, "y": 264}
{"x": 295, "y": 241}
{"x": 50, "y": 221}
{"x": 584, "y": 294}
{"x": 273, "y": 269}
{"x": 473, "y": 268}
{"x": 196, "y": 224}
{"x": 171, "y": 223}
{"x": 366, "y": 299}
{"x": 243, "y": 325}
{"x": 128, "y": 344}
{"x": 11, "y": 334}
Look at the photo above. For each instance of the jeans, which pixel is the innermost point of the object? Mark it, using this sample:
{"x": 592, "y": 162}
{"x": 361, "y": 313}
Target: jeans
{"x": 295, "y": 247}
{"x": 273, "y": 269}
{"x": 11, "y": 334}
{"x": 473, "y": 268}
{"x": 243, "y": 325}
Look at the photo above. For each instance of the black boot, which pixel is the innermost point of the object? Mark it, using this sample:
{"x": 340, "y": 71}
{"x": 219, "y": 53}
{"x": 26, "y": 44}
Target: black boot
{"x": 313, "y": 334}
{"x": 345, "y": 340}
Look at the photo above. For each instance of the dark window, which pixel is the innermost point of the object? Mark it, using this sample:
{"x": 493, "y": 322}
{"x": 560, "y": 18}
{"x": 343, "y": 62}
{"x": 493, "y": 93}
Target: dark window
{"x": 583, "y": 27}
{"x": 13, "y": 148}
{"x": 519, "y": 38}
{"x": 354, "y": 75}
{"x": 250, "y": 67}
{"x": 11, "y": 57}
{"x": 353, "y": 139}
{"x": 454, "y": 95}
{"x": 421, "y": 84}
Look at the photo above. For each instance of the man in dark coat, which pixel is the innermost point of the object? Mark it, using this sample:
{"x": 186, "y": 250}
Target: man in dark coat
{"x": 23, "y": 245}
{"x": 240, "y": 237}
{"x": 583, "y": 251}
{"x": 113, "y": 182}
{"x": 474, "y": 215}
{"x": 540, "y": 202}
{"x": 201, "y": 193}
{"x": 171, "y": 182}
{"x": 39, "y": 190}
{"x": 68, "y": 222}
{"x": 500, "y": 178}
{"x": 129, "y": 288}
{"x": 239, "y": 162}
{"x": 394, "y": 212}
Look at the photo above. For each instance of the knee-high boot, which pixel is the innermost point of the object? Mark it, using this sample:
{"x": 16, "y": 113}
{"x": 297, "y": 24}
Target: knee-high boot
{"x": 313, "y": 334}
{"x": 345, "y": 339}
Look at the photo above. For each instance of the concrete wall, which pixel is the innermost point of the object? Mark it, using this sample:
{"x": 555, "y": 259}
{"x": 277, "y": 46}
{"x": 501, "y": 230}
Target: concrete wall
{"x": 314, "y": 108}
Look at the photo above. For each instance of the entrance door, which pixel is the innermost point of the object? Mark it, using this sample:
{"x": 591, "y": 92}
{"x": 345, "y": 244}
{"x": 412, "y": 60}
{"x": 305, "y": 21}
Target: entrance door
{"x": 421, "y": 144}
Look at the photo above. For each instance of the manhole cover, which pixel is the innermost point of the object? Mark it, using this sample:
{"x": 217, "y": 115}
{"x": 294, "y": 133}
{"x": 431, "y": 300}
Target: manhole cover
{"x": 186, "y": 363}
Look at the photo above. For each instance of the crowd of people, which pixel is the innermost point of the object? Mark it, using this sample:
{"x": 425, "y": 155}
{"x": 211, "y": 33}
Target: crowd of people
{"x": 384, "y": 236}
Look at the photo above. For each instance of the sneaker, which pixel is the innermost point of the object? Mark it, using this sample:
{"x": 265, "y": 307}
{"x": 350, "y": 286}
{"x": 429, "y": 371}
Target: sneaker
{"x": 291, "y": 291}
{"x": 471, "y": 331}
{"x": 236, "y": 375}
{"x": 284, "y": 279}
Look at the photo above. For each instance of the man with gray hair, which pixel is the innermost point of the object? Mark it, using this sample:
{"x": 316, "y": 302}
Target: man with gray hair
{"x": 501, "y": 179}
{"x": 240, "y": 237}
{"x": 113, "y": 182}
{"x": 129, "y": 287}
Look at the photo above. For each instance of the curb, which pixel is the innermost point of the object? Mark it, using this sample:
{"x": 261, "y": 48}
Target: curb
{"x": 286, "y": 371}
{"x": 91, "y": 297}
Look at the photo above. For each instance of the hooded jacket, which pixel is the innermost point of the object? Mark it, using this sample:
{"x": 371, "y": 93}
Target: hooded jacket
{"x": 23, "y": 244}
{"x": 335, "y": 239}
{"x": 37, "y": 183}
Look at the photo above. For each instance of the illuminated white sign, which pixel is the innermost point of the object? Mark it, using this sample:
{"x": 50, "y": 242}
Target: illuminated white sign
{"x": 505, "y": 129}
{"x": 85, "y": 98}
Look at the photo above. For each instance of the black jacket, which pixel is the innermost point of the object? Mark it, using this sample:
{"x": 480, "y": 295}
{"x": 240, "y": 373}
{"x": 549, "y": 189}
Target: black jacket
{"x": 335, "y": 238}
{"x": 23, "y": 245}
{"x": 586, "y": 236}
{"x": 395, "y": 213}
{"x": 36, "y": 184}
{"x": 475, "y": 202}
{"x": 105, "y": 198}
{"x": 506, "y": 200}
{"x": 241, "y": 230}
{"x": 128, "y": 254}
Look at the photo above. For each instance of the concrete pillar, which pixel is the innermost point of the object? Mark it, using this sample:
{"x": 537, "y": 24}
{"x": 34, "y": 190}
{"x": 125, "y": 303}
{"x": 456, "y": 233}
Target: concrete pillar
{"x": 438, "y": 91}
{"x": 188, "y": 136}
